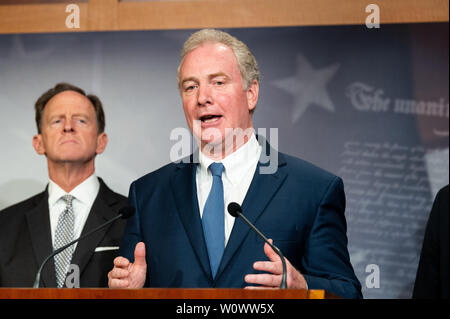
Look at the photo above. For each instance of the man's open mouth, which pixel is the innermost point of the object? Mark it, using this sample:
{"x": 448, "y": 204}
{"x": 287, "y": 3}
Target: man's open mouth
{"x": 210, "y": 118}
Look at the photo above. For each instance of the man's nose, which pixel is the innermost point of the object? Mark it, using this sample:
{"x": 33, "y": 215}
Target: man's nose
{"x": 204, "y": 96}
{"x": 68, "y": 125}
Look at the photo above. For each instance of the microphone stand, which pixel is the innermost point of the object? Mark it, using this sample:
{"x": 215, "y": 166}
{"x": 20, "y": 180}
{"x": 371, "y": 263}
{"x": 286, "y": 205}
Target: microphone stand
{"x": 57, "y": 251}
{"x": 283, "y": 284}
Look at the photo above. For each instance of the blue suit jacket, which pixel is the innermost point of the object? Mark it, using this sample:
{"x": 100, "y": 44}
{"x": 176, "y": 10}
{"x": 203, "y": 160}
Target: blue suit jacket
{"x": 300, "y": 206}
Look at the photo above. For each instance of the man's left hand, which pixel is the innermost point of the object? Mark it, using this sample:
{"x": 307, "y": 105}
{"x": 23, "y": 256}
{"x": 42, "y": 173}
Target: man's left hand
{"x": 274, "y": 269}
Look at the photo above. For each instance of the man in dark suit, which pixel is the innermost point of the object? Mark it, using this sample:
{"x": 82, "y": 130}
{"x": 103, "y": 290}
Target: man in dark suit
{"x": 70, "y": 134}
{"x": 182, "y": 235}
{"x": 432, "y": 273}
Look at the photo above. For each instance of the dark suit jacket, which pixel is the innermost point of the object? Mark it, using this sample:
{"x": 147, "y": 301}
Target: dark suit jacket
{"x": 300, "y": 206}
{"x": 432, "y": 273}
{"x": 25, "y": 241}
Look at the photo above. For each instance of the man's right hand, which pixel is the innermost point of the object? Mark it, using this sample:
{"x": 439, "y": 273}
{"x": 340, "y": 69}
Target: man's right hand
{"x": 129, "y": 275}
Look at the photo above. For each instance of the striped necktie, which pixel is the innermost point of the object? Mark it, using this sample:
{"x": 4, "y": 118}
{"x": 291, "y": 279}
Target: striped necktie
{"x": 64, "y": 234}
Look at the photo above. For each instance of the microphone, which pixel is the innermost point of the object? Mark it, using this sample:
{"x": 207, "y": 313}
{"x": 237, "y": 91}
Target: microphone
{"x": 124, "y": 213}
{"x": 235, "y": 210}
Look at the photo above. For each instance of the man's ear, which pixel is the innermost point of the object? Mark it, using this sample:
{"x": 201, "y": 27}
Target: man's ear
{"x": 38, "y": 144}
{"x": 252, "y": 95}
{"x": 102, "y": 141}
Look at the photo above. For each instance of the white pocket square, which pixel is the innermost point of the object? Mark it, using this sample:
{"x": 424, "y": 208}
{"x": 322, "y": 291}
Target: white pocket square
{"x": 98, "y": 249}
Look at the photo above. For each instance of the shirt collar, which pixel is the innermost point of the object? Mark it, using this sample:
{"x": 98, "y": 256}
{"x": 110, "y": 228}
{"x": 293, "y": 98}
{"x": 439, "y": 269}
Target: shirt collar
{"x": 237, "y": 163}
{"x": 84, "y": 192}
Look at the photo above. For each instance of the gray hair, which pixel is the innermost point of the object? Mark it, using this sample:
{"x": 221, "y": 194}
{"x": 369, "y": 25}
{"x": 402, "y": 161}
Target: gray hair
{"x": 245, "y": 59}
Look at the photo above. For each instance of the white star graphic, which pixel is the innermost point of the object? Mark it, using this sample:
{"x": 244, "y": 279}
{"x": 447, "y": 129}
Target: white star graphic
{"x": 308, "y": 87}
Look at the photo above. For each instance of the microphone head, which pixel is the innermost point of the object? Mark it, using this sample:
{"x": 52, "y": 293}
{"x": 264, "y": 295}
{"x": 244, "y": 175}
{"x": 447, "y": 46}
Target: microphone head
{"x": 234, "y": 209}
{"x": 127, "y": 211}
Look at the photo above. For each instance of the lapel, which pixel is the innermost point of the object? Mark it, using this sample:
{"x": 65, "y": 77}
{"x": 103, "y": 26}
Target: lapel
{"x": 187, "y": 207}
{"x": 100, "y": 213}
{"x": 261, "y": 191}
{"x": 38, "y": 219}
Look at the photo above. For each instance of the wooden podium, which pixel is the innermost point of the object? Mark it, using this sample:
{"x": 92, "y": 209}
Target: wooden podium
{"x": 160, "y": 293}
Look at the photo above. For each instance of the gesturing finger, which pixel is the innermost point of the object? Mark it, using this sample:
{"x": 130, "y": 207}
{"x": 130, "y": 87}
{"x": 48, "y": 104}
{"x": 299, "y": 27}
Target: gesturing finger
{"x": 119, "y": 273}
{"x": 121, "y": 262}
{"x": 118, "y": 283}
{"x": 264, "y": 280}
{"x": 260, "y": 287}
{"x": 269, "y": 266}
{"x": 270, "y": 253}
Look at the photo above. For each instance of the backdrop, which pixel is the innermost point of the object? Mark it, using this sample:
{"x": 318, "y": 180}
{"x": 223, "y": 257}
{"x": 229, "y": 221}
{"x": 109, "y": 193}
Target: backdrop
{"x": 369, "y": 105}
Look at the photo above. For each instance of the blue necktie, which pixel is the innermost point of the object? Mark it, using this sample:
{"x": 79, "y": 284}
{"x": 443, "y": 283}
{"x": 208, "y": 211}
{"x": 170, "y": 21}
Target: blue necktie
{"x": 213, "y": 219}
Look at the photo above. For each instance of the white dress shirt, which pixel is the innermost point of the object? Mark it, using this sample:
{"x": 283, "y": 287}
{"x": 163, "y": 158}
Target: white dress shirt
{"x": 239, "y": 168}
{"x": 84, "y": 196}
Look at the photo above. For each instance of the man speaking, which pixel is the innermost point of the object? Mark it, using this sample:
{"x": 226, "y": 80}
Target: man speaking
{"x": 181, "y": 234}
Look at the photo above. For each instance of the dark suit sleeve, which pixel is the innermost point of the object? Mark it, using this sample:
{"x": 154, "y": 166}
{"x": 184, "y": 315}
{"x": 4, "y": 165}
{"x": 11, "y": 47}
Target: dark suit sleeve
{"x": 430, "y": 276}
{"x": 132, "y": 234}
{"x": 326, "y": 261}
